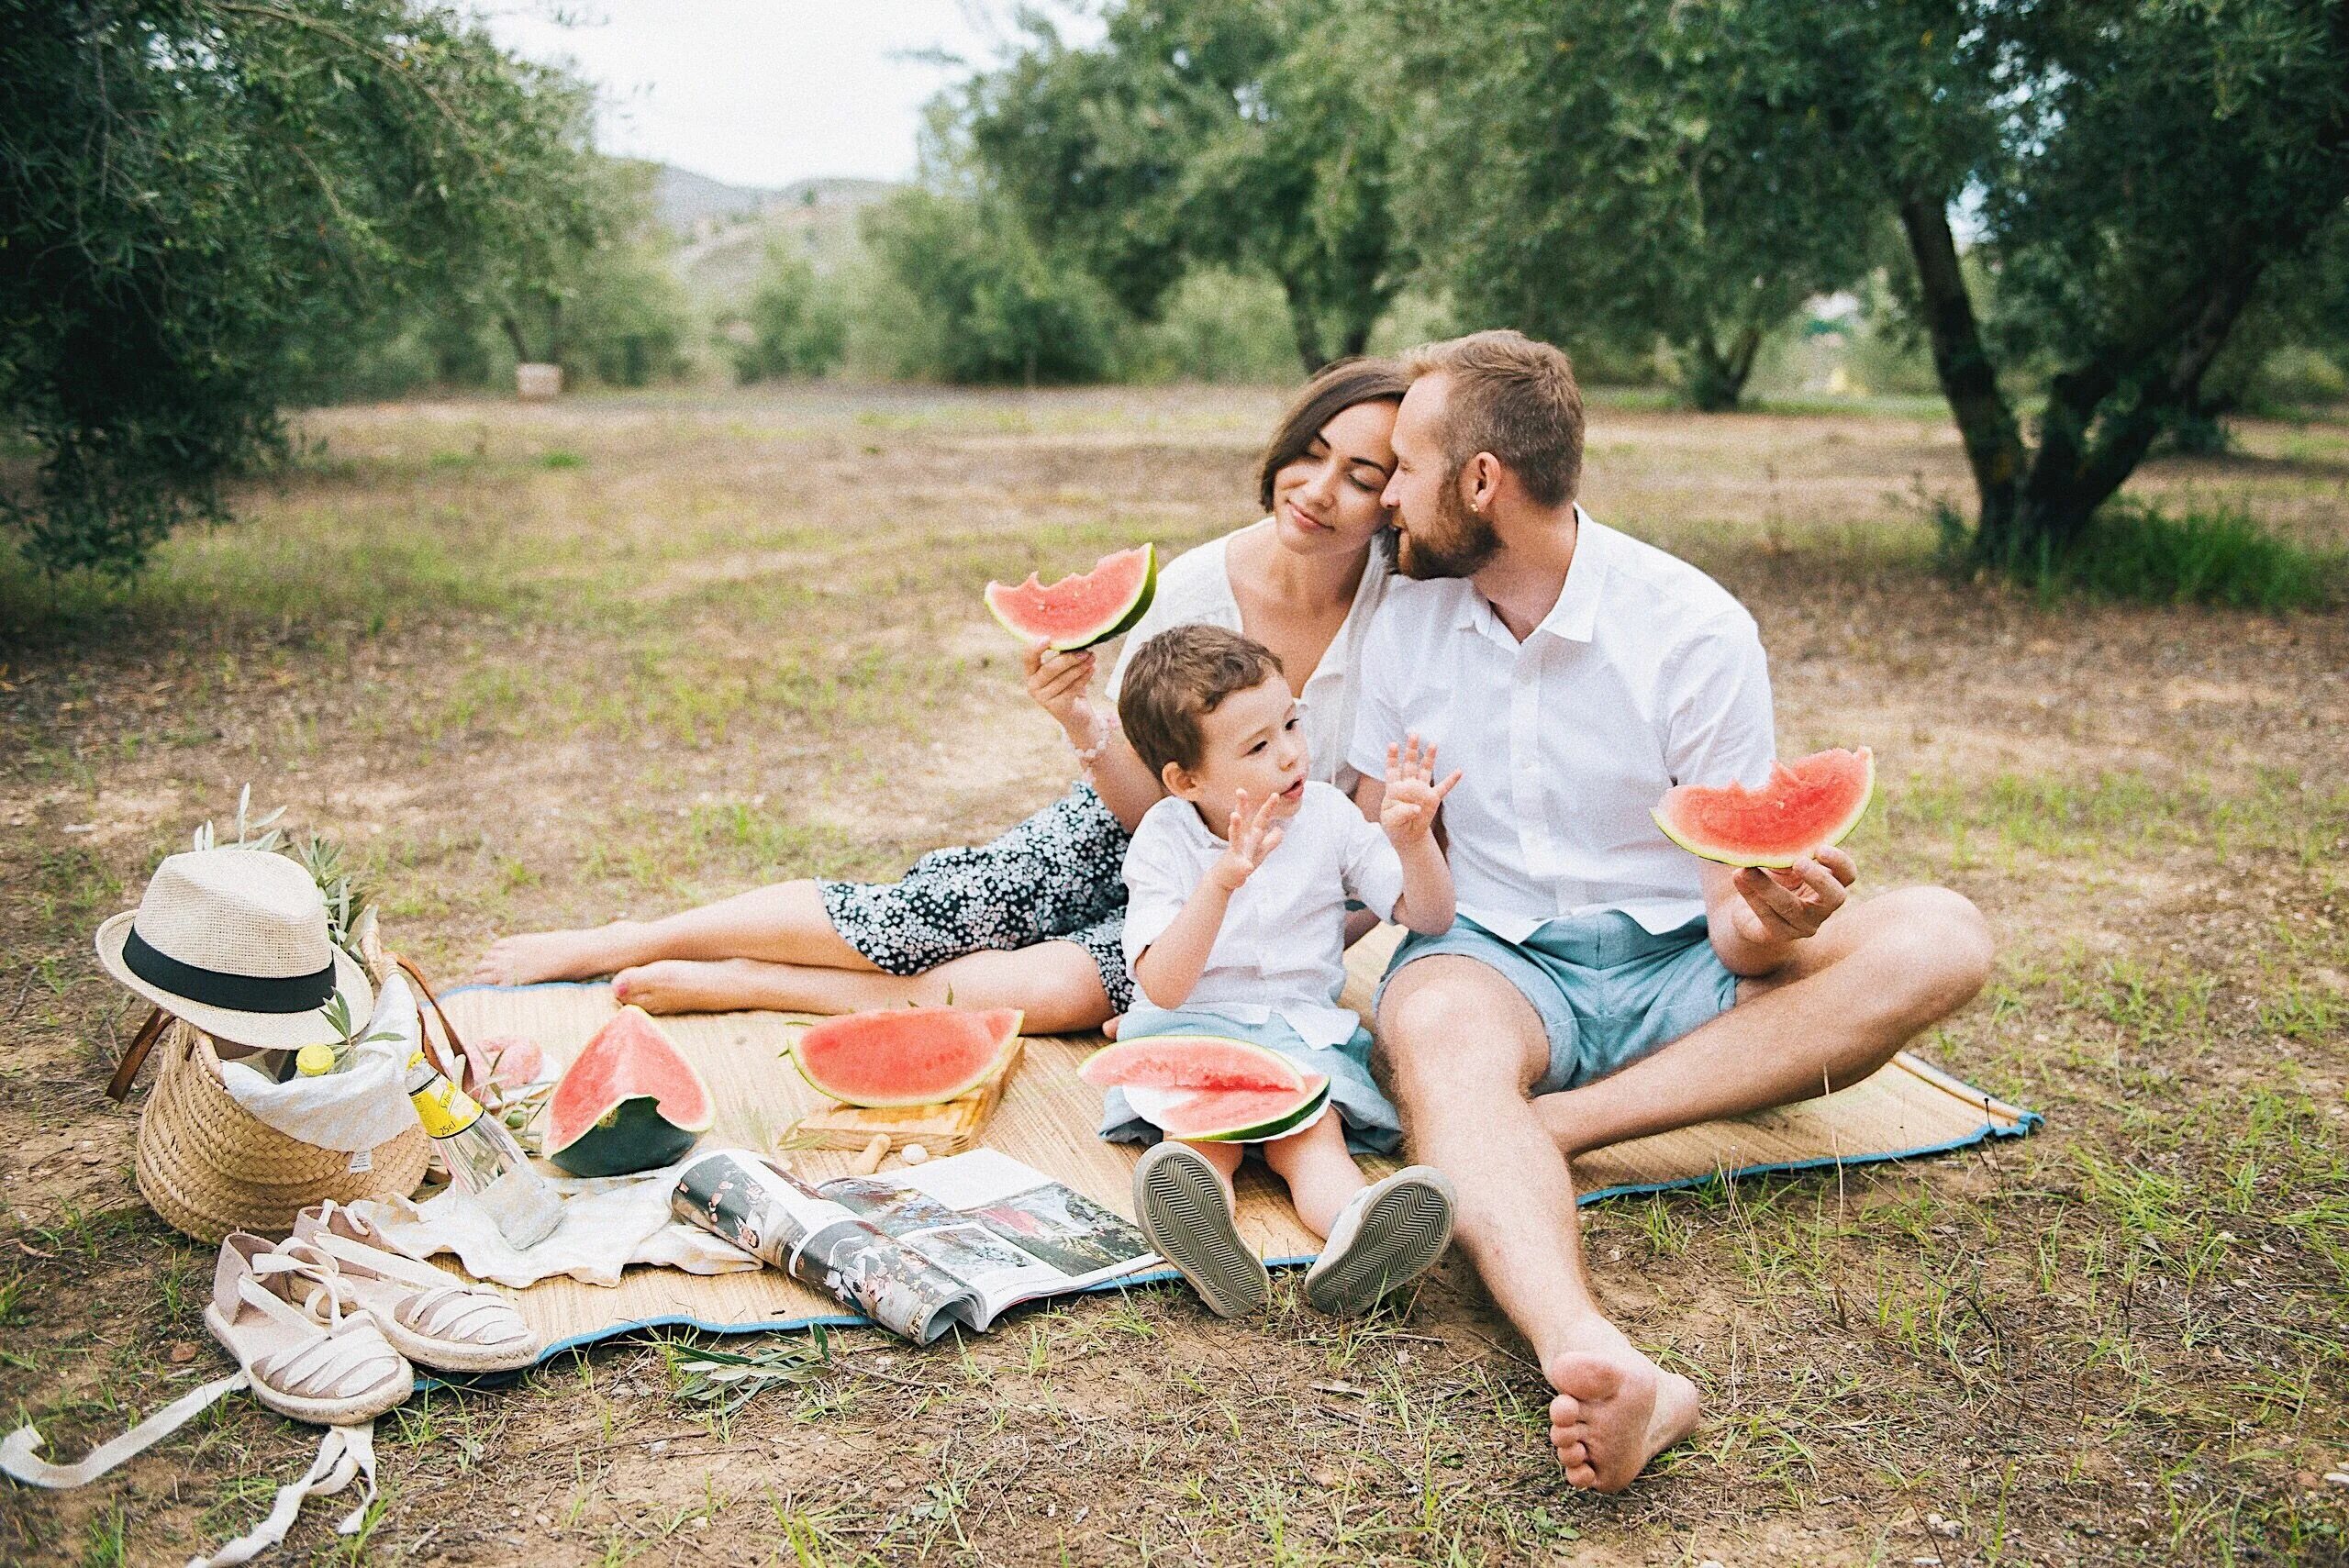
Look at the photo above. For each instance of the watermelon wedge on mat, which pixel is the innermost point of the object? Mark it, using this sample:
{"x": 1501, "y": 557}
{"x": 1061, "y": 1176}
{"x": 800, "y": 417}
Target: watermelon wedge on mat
{"x": 629, "y": 1101}
{"x": 1190, "y": 1062}
{"x": 905, "y": 1056}
{"x": 1232, "y": 1115}
{"x": 1808, "y": 803}
{"x": 1077, "y": 612}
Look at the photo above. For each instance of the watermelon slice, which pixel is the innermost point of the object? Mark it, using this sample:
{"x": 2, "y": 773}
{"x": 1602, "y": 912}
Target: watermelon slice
{"x": 1232, "y": 1115}
{"x": 1190, "y": 1062}
{"x": 905, "y": 1056}
{"x": 1077, "y": 612}
{"x": 1806, "y": 805}
{"x": 629, "y": 1101}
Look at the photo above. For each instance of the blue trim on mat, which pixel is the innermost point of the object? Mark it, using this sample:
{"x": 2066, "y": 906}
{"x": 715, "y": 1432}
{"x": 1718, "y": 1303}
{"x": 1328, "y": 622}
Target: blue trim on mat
{"x": 2026, "y": 1123}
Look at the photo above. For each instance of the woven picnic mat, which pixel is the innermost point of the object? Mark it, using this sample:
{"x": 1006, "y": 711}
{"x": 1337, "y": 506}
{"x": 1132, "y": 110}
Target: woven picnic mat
{"x": 1048, "y": 1119}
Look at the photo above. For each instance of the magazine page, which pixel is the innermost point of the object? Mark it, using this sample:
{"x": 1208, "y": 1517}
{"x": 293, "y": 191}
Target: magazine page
{"x": 773, "y": 1215}
{"x": 1009, "y": 1230}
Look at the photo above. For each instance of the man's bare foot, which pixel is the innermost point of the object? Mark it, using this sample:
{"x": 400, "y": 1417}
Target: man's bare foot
{"x": 691, "y": 985}
{"x": 555, "y": 955}
{"x": 1615, "y": 1411}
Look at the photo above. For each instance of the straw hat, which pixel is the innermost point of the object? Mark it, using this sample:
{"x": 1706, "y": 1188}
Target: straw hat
{"x": 234, "y": 941}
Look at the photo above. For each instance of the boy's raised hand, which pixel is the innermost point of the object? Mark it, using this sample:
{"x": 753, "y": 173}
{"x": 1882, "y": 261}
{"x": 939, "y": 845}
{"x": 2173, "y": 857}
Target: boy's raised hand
{"x": 1058, "y": 680}
{"x": 1252, "y": 836}
{"x": 1407, "y": 812}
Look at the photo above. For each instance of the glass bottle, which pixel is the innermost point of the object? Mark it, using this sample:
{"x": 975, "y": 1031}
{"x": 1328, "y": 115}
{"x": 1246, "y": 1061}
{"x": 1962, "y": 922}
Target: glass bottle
{"x": 483, "y": 1157}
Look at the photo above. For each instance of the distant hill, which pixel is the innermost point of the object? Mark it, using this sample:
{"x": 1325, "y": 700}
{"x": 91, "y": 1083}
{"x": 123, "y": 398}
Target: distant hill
{"x": 723, "y": 231}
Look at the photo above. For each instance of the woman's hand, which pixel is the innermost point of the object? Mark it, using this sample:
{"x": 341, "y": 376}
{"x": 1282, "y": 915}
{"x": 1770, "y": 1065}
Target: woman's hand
{"x": 1253, "y": 836}
{"x": 1058, "y": 682}
{"x": 1406, "y": 811}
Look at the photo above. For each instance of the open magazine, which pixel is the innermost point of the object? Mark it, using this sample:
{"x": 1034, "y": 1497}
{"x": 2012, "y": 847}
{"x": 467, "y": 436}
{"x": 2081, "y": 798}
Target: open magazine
{"x": 919, "y": 1250}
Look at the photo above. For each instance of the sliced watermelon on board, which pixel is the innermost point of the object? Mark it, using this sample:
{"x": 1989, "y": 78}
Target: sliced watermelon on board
{"x": 1808, "y": 803}
{"x": 905, "y": 1056}
{"x": 629, "y": 1101}
{"x": 1077, "y": 612}
{"x": 1232, "y": 1115}
{"x": 1190, "y": 1062}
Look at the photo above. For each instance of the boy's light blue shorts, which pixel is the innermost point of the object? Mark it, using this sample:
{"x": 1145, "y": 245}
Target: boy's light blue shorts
{"x": 1608, "y": 990}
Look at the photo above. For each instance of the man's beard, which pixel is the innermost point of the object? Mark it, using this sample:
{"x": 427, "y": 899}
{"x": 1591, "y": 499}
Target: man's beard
{"x": 1463, "y": 541}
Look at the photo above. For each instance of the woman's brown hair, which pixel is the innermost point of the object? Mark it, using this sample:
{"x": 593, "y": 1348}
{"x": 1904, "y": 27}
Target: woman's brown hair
{"x": 1331, "y": 393}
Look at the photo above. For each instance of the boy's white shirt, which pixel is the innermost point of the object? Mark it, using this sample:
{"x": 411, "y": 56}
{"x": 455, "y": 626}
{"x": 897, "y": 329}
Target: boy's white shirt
{"x": 1281, "y": 948}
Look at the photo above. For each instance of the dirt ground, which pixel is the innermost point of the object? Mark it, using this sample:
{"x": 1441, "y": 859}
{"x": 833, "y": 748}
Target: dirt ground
{"x": 545, "y": 666}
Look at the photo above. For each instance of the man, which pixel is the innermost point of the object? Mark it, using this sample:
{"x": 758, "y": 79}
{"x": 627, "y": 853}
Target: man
{"x": 1600, "y": 983}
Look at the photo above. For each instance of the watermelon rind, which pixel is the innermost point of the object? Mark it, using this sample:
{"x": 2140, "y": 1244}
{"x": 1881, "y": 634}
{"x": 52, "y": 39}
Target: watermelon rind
{"x": 1117, "y": 624}
{"x": 1006, "y": 1036}
{"x": 1152, "y": 1105}
{"x": 638, "y": 1137}
{"x": 628, "y": 1131}
{"x": 1098, "y": 1069}
{"x": 1735, "y": 855}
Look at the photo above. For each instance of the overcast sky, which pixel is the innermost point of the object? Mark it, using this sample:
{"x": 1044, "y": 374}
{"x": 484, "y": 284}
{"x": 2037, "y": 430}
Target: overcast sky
{"x": 759, "y": 92}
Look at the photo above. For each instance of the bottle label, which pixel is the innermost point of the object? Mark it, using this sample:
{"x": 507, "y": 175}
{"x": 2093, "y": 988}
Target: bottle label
{"x": 444, "y": 1109}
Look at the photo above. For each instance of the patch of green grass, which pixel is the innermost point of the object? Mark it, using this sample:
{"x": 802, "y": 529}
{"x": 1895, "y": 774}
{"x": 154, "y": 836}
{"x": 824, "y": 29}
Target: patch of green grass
{"x": 2140, "y": 552}
{"x": 559, "y": 458}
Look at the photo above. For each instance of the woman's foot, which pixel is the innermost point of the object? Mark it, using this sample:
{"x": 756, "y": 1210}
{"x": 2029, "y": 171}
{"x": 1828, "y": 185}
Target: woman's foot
{"x": 1615, "y": 1411}
{"x": 1387, "y": 1233}
{"x": 696, "y": 985}
{"x": 1186, "y": 1215}
{"x": 557, "y": 955}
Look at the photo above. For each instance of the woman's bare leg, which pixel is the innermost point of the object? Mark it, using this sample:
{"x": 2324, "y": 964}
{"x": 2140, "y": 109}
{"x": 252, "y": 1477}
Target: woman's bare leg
{"x": 782, "y": 923}
{"x": 1054, "y": 983}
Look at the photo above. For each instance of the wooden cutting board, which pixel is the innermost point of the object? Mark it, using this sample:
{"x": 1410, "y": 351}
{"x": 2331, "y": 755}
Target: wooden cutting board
{"x": 946, "y": 1129}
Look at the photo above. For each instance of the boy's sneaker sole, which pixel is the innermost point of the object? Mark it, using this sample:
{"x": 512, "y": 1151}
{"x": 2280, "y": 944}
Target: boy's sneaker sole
{"x": 1400, "y": 1226}
{"x": 1188, "y": 1223}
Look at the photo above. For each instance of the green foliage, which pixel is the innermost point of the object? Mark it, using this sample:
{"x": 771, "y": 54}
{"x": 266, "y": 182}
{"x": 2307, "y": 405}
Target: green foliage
{"x": 964, "y": 294}
{"x": 1217, "y": 325}
{"x": 199, "y": 199}
{"x": 797, "y": 324}
{"x": 2137, "y": 552}
{"x": 1230, "y": 133}
{"x": 1604, "y": 173}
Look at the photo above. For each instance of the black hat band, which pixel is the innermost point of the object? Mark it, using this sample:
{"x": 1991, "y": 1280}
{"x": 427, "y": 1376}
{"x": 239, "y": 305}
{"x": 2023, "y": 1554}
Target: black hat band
{"x": 237, "y": 993}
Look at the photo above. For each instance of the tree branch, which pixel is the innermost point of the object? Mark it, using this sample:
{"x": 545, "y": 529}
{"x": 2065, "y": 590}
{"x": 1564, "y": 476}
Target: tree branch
{"x": 1969, "y": 381}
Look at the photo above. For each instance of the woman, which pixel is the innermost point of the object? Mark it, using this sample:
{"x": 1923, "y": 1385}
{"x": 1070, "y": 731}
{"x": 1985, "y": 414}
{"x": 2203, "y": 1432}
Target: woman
{"x": 1032, "y": 920}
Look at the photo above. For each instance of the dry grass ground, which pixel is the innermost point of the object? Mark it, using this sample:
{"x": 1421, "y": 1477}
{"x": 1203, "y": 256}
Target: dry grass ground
{"x": 543, "y": 666}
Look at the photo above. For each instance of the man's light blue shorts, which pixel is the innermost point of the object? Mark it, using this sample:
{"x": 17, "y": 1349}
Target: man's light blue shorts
{"x": 1609, "y": 991}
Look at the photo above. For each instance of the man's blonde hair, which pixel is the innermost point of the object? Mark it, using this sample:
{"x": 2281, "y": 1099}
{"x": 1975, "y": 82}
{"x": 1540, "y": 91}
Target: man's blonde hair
{"x": 1515, "y": 398}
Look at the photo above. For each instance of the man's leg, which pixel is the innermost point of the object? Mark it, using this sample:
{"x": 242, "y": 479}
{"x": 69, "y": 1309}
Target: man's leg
{"x": 1877, "y": 974}
{"x": 783, "y": 923}
{"x": 1461, "y": 1047}
{"x": 1055, "y": 983}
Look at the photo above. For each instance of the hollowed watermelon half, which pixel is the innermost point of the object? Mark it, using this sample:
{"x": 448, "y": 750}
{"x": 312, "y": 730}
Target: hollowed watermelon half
{"x": 1190, "y": 1062}
{"x": 1806, "y": 805}
{"x": 1232, "y": 1116}
{"x": 1077, "y": 612}
{"x": 629, "y": 1101}
{"x": 905, "y": 1056}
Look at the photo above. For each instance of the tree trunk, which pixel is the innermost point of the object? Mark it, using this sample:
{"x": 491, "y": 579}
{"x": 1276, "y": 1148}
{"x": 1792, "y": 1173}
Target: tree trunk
{"x": 514, "y": 336}
{"x": 1716, "y": 382}
{"x": 1969, "y": 381}
{"x": 1303, "y": 321}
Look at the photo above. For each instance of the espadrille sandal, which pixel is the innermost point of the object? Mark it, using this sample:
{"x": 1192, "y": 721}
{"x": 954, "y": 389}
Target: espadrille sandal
{"x": 432, "y": 1317}
{"x": 306, "y": 1360}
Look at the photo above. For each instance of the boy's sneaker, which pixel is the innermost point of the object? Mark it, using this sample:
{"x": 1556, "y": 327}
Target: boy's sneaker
{"x": 1188, "y": 1223}
{"x": 1389, "y": 1233}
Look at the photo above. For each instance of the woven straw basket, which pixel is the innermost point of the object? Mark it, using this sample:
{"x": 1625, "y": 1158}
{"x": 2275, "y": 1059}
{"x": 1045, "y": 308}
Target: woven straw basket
{"x": 210, "y": 1166}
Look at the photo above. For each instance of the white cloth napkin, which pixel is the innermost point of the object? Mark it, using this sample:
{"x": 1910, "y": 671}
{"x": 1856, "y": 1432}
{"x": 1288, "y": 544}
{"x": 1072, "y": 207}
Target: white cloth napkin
{"x": 609, "y": 1222}
{"x": 364, "y": 1106}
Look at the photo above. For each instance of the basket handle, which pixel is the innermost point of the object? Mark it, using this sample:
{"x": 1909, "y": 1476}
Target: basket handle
{"x": 134, "y": 1056}
{"x": 453, "y": 1059}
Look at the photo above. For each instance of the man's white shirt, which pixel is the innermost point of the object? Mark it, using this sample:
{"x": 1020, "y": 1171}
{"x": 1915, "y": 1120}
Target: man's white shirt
{"x": 1282, "y": 946}
{"x": 1646, "y": 673}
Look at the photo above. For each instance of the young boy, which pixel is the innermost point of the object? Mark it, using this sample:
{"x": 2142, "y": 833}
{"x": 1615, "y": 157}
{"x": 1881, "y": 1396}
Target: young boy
{"x": 1235, "y": 925}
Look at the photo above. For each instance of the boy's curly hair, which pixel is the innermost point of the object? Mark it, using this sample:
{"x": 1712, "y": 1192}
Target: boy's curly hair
{"x": 1176, "y": 679}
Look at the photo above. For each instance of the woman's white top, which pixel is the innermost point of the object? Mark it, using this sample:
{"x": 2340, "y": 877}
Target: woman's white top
{"x": 1196, "y": 587}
